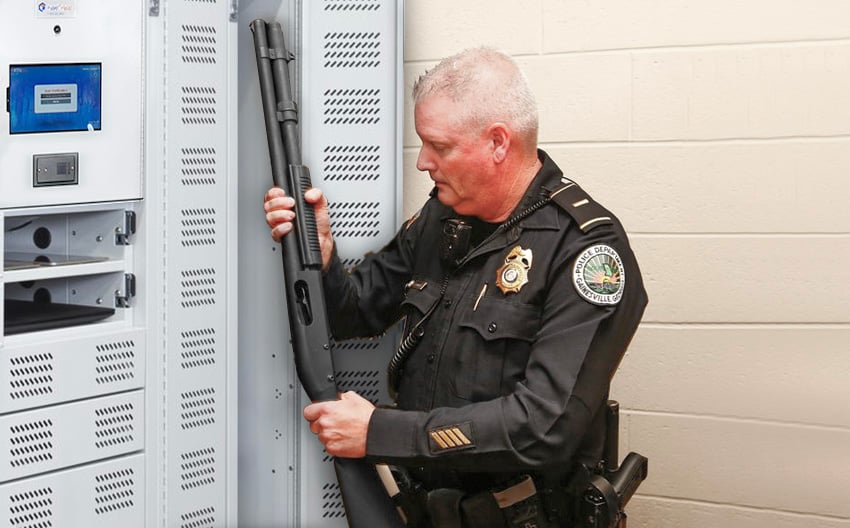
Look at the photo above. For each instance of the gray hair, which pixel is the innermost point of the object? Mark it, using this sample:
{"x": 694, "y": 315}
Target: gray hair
{"x": 489, "y": 84}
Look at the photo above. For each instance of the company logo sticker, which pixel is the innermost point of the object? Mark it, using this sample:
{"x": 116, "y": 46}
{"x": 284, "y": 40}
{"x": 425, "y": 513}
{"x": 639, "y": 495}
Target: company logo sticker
{"x": 55, "y": 9}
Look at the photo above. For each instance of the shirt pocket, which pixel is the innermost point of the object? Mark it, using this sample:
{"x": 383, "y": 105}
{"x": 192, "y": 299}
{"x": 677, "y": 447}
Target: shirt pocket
{"x": 492, "y": 348}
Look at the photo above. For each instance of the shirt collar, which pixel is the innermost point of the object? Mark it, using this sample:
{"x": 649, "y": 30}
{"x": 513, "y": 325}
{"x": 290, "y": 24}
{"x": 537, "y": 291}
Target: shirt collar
{"x": 545, "y": 181}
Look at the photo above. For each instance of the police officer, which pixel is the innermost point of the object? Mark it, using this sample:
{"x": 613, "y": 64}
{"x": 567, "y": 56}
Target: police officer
{"x": 519, "y": 295}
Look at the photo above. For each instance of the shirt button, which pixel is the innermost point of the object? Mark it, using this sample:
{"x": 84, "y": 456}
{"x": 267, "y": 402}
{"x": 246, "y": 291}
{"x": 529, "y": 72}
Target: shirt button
{"x": 492, "y": 327}
{"x": 431, "y": 358}
{"x": 447, "y": 303}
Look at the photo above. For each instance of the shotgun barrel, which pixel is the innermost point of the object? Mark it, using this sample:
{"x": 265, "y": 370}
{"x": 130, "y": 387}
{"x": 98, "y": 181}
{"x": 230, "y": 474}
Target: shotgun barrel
{"x": 367, "y": 504}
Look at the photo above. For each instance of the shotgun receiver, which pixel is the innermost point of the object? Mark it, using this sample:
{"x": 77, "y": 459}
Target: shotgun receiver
{"x": 367, "y": 504}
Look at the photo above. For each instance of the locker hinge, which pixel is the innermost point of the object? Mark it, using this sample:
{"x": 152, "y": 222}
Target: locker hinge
{"x": 123, "y": 232}
{"x": 234, "y": 10}
{"x": 122, "y": 298}
{"x": 154, "y": 8}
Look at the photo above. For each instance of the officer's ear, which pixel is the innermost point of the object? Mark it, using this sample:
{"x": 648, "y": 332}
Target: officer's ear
{"x": 500, "y": 141}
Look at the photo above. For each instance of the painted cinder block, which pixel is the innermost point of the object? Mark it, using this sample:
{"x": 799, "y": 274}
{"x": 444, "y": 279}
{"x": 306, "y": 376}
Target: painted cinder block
{"x": 745, "y": 278}
{"x": 582, "y": 97}
{"x": 784, "y": 467}
{"x": 742, "y": 92}
{"x": 574, "y": 25}
{"x": 791, "y": 374}
{"x": 780, "y": 186}
{"x": 437, "y": 28}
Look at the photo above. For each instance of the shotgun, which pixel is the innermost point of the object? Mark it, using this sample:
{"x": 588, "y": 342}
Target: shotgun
{"x": 364, "y": 493}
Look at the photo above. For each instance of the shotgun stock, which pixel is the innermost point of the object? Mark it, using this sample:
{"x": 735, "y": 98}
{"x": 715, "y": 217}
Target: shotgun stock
{"x": 367, "y": 504}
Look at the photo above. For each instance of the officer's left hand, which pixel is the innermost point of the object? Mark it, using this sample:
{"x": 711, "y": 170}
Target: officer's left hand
{"x": 342, "y": 424}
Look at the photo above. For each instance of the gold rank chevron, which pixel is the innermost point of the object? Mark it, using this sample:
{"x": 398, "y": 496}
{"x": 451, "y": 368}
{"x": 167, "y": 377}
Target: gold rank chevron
{"x": 450, "y": 437}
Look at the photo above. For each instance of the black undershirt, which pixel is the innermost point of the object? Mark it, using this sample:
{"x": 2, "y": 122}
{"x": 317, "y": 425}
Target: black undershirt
{"x": 480, "y": 230}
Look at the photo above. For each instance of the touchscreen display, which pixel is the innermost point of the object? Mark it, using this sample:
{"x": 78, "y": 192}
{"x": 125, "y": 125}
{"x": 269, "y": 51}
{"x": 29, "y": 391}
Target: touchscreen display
{"x": 54, "y": 97}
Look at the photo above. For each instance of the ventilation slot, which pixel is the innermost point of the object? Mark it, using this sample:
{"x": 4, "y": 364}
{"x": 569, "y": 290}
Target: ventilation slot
{"x": 332, "y": 506}
{"x": 352, "y": 107}
{"x": 352, "y": 5}
{"x": 197, "y": 227}
{"x": 31, "y": 443}
{"x": 30, "y": 375}
{"x": 198, "y": 348}
{"x": 197, "y": 287}
{"x": 352, "y": 50}
{"x": 203, "y": 518}
{"x": 115, "y": 362}
{"x": 199, "y": 44}
{"x": 31, "y": 509}
{"x": 197, "y": 408}
{"x": 355, "y": 219}
{"x": 114, "y": 491}
{"x": 360, "y": 163}
{"x": 198, "y": 166}
{"x": 114, "y": 425}
{"x": 365, "y": 382}
{"x": 198, "y": 105}
{"x": 349, "y": 263}
{"x": 197, "y": 468}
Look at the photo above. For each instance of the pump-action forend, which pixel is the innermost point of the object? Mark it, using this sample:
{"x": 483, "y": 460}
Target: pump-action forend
{"x": 365, "y": 498}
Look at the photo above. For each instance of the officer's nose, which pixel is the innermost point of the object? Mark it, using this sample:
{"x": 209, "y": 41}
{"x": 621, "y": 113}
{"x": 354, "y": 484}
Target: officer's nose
{"x": 423, "y": 161}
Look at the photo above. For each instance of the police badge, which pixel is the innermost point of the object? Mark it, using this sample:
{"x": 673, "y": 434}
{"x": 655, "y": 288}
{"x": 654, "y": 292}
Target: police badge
{"x": 513, "y": 274}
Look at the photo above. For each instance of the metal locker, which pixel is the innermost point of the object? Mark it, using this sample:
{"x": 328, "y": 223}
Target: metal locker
{"x": 347, "y": 79}
{"x": 119, "y": 332}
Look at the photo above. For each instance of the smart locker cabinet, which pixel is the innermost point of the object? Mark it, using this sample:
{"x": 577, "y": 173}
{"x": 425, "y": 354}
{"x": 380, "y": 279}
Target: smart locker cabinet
{"x": 118, "y": 205}
{"x": 144, "y": 375}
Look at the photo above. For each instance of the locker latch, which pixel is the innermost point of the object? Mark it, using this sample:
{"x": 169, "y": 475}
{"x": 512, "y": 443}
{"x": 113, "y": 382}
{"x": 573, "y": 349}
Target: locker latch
{"x": 122, "y": 298}
{"x": 123, "y": 232}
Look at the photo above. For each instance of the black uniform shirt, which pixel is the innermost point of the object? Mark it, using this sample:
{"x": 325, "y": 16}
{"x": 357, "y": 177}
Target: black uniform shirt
{"x": 505, "y": 378}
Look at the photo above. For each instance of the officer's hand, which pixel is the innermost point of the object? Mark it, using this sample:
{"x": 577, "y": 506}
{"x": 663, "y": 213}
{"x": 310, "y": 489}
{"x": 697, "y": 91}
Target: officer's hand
{"x": 280, "y": 213}
{"x": 341, "y": 425}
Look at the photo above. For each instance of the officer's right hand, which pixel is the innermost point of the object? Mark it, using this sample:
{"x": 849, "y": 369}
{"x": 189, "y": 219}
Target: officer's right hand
{"x": 280, "y": 213}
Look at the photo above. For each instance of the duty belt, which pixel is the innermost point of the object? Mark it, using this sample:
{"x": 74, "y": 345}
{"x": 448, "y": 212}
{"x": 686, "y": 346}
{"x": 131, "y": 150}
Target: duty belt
{"x": 519, "y": 504}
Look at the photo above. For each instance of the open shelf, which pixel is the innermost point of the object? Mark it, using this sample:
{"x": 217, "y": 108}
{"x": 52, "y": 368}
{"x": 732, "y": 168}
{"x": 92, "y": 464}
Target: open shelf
{"x": 35, "y": 273}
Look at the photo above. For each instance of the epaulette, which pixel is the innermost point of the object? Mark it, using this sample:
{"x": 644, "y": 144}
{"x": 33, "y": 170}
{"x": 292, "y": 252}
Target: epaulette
{"x": 580, "y": 206}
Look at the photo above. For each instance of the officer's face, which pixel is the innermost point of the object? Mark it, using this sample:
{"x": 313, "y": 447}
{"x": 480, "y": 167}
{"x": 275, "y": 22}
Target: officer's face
{"x": 457, "y": 159}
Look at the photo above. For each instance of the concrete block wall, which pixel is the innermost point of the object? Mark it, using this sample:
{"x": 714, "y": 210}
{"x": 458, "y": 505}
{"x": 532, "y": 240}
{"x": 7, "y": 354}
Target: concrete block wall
{"x": 719, "y": 133}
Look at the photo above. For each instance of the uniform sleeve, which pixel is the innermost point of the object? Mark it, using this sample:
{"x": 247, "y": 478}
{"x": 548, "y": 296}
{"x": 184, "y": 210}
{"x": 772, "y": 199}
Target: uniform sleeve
{"x": 365, "y": 301}
{"x": 543, "y": 421}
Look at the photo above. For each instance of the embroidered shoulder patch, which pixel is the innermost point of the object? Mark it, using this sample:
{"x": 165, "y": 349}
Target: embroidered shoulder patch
{"x": 451, "y": 438}
{"x": 598, "y": 275}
